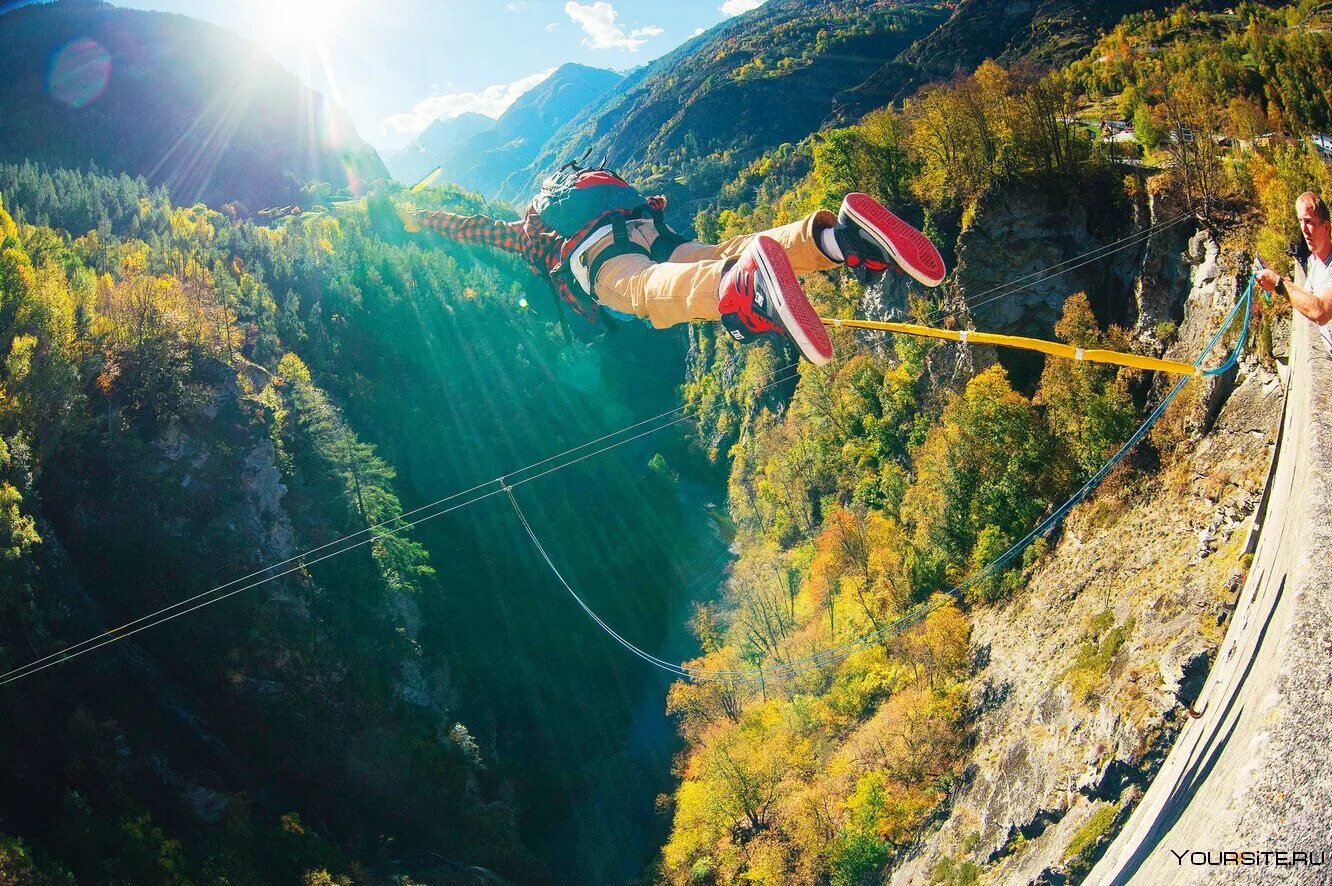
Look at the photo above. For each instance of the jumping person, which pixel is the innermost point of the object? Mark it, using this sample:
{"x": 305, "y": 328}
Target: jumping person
{"x": 601, "y": 243}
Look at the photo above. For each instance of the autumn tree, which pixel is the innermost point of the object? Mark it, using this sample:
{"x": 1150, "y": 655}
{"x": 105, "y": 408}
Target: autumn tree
{"x": 1047, "y": 137}
{"x": 956, "y": 133}
{"x": 1088, "y": 405}
{"x": 859, "y": 553}
{"x": 1194, "y": 135}
{"x": 987, "y": 463}
{"x": 937, "y": 646}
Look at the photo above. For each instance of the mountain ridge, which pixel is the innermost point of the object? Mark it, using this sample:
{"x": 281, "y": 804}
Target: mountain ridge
{"x": 671, "y": 126}
{"x": 439, "y": 144}
{"x": 481, "y": 157}
{"x": 129, "y": 91}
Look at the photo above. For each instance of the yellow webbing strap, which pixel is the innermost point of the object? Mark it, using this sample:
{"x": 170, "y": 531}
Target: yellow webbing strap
{"x": 1054, "y": 349}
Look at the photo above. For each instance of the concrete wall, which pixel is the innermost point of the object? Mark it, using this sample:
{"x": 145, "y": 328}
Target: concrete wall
{"x": 1254, "y": 773}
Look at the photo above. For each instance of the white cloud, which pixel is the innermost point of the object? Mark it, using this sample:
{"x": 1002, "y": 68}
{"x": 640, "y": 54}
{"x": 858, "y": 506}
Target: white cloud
{"x": 697, "y": 31}
{"x": 735, "y": 7}
{"x": 515, "y": 5}
{"x": 491, "y": 101}
{"x": 598, "y": 22}
{"x": 552, "y": 26}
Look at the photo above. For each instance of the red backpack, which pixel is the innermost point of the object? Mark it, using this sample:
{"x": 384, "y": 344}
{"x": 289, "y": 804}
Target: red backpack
{"x": 576, "y": 203}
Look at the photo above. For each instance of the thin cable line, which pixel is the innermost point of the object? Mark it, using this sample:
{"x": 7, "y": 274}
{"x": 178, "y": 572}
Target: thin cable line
{"x": 292, "y": 559}
{"x": 777, "y": 377}
{"x": 62, "y": 657}
{"x": 646, "y": 433}
{"x": 1056, "y": 270}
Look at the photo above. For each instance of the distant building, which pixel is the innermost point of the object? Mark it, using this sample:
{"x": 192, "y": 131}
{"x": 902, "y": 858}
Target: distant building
{"x": 1322, "y": 144}
{"x": 1181, "y": 134}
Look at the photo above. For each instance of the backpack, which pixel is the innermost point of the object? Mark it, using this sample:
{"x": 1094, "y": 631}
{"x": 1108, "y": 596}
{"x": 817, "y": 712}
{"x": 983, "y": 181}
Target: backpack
{"x": 574, "y": 198}
{"x": 577, "y": 202}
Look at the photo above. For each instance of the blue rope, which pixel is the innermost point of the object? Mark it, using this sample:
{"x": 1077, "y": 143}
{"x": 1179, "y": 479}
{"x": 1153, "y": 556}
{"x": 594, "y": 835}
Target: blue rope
{"x": 1245, "y": 301}
{"x": 1095, "y": 480}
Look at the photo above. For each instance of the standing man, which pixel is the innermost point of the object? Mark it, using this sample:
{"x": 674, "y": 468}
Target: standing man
{"x": 1314, "y": 298}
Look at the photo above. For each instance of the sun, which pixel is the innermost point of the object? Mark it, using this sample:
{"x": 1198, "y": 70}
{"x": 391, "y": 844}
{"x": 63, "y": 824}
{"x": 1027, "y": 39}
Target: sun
{"x": 301, "y": 21}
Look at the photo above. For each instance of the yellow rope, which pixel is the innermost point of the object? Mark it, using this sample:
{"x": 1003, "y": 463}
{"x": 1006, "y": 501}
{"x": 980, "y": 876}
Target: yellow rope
{"x": 1054, "y": 349}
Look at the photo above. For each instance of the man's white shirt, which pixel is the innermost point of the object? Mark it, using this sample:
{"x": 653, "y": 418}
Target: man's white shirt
{"x": 1317, "y": 277}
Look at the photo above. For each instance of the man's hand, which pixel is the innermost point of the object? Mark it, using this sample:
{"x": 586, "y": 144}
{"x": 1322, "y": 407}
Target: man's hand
{"x": 1268, "y": 279}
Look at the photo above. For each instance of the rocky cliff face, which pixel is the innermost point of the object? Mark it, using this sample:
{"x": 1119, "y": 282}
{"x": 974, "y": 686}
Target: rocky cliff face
{"x": 1083, "y": 679}
{"x": 1017, "y": 259}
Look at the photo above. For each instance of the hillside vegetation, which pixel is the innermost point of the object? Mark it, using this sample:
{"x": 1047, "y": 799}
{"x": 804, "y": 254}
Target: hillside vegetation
{"x": 187, "y": 399}
{"x": 684, "y": 124}
{"x": 687, "y": 123}
{"x": 883, "y": 482}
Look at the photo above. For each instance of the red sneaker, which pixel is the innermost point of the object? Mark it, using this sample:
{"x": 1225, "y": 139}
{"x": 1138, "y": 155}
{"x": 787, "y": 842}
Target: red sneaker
{"x": 870, "y": 236}
{"x": 760, "y": 293}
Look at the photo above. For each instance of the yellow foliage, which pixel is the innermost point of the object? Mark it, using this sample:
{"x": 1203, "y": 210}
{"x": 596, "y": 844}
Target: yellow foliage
{"x": 1279, "y": 176}
{"x": 867, "y": 547}
{"x": 18, "y": 532}
{"x": 19, "y": 361}
{"x": 139, "y": 308}
{"x": 937, "y": 647}
{"x": 16, "y": 274}
{"x": 700, "y": 704}
{"x": 7, "y": 226}
{"x": 694, "y": 831}
{"x": 292, "y": 370}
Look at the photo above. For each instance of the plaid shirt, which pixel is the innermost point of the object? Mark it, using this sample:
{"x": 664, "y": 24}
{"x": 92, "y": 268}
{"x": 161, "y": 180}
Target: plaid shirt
{"x": 543, "y": 248}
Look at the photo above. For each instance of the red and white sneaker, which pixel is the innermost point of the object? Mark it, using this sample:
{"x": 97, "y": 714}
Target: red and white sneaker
{"x": 870, "y": 236}
{"x": 760, "y": 294}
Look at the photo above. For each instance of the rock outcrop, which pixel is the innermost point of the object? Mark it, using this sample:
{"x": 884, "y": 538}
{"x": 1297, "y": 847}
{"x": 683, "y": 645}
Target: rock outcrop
{"x": 1086, "y": 675}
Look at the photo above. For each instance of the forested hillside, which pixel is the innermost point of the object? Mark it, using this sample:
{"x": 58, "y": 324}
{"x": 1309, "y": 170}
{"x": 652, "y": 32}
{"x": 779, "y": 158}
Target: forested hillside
{"x": 687, "y": 123}
{"x": 183, "y": 103}
{"x": 898, "y": 471}
{"x": 684, "y": 124}
{"x": 188, "y": 399}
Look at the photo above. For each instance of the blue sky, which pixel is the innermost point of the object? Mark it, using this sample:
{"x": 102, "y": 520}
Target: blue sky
{"x": 397, "y": 64}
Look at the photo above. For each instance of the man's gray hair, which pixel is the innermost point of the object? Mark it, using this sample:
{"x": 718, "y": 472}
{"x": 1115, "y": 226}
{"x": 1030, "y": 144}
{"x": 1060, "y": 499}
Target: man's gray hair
{"x": 1314, "y": 202}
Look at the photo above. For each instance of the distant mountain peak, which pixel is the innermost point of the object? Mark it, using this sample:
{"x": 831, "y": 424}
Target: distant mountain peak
{"x": 480, "y": 157}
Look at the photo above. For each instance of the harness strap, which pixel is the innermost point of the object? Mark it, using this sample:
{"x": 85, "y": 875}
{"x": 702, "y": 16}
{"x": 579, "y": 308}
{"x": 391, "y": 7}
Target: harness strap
{"x": 667, "y": 240}
{"x": 559, "y": 309}
{"x": 620, "y": 245}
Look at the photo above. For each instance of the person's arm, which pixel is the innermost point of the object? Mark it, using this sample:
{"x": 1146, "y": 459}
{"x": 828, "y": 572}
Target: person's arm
{"x": 508, "y": 236}
{"x": 1316, "y": 305}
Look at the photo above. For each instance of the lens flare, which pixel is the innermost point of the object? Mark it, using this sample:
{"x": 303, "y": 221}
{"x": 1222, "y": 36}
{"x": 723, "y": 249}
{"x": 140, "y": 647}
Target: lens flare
{"x": 79, "y": 73}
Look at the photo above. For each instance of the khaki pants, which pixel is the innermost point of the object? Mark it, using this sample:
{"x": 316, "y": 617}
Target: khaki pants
{"x": 688, "y": 286}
